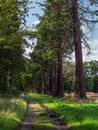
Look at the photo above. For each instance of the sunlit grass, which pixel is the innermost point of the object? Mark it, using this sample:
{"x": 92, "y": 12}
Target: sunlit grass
{"x": 12, "y": 112}
{"x": 78, "y": 115}
{"x": 41, "y": 121}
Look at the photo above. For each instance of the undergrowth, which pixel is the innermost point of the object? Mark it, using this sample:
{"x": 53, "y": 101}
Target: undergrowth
{"x": 12, "y": 112}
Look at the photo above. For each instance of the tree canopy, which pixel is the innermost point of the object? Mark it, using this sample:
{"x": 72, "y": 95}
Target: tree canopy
{"x": 58, "y": 34}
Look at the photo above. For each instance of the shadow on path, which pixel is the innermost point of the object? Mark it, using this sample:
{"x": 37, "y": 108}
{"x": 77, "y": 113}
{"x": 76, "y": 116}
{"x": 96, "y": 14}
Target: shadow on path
{"x": 34, "y": 119}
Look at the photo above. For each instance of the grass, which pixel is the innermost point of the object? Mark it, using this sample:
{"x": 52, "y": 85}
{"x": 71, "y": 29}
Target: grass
{"x": 12, "y": 112}
{"x": 41, "y": 120}
{"x": 78, "y": 115}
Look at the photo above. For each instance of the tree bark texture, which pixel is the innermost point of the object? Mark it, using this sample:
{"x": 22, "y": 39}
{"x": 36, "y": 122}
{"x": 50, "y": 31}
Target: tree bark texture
{"x": 59, "y": 89}
{"x": 80, "y": 84}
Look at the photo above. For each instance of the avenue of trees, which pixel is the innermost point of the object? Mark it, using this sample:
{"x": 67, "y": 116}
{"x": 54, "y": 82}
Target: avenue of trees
{"x": 58, "y": 34}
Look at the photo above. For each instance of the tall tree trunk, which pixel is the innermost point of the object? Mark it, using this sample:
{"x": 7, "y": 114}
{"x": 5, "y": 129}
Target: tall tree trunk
{"x": 55, "y": 68}
{"x": 59, "y": 92}
{"x": 51, "y": 79}
{"x": 80, "y": 84}
{"x": 45, "y": 87}
{"x": 39, "y": 89}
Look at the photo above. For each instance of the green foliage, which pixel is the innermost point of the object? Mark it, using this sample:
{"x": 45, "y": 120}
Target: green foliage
{"x": 27, "y": 81}
{"x": 69, "y": 76}
{"x": 50, "y": 32}
{"x": 91, "y": 75}
{"x": 78, "y": 115}
{"x": 12, "y": 112}
{"x": 12, "y": 33}
{"x": 13, "y": 91}
{"x": 3, "y": 86}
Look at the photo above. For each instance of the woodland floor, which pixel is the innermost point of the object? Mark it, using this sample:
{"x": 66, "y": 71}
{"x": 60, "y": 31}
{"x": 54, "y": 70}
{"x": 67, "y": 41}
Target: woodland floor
{"x": 38, "y": 115}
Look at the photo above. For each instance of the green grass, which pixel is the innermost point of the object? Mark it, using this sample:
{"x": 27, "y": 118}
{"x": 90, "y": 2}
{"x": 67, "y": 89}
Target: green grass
{"x": 78, "y": 115}
{"x": 12, "y": 112}
{"x": 41, "y": 120}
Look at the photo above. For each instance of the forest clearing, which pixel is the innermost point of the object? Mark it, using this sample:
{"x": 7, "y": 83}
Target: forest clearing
{"x": 46, "y": 80}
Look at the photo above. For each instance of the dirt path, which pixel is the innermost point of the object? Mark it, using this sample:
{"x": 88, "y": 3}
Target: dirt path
{"x": 27, "y": 123}
{"x": 38, "y": 116}
{"x": 55, "y": 119}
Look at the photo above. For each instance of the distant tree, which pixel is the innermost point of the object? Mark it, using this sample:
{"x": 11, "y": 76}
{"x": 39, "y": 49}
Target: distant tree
{"x": 69, "y": 76}
{"x": 91, "y": 75}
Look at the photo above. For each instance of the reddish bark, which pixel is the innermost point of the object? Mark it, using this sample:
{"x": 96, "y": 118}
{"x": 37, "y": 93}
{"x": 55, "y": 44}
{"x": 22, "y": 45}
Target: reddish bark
{"x": 80, "y": 84}
{"x": 59, "y": 89}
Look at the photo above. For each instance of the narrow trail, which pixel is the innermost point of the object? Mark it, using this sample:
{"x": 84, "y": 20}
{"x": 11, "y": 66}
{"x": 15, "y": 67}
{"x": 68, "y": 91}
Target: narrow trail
{"x": 27, "y": 123}
{"x": 35, "y": 111}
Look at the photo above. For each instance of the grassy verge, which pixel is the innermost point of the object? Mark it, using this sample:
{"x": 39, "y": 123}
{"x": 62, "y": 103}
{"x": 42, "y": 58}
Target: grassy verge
{"x": 41, "y": 120}
{"x": 78, "y": 115}
{"x": 12, "y": 112}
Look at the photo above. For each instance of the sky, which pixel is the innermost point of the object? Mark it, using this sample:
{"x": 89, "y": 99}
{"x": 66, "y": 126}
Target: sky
{"x": 36, "y": 10}
{"x": 93, "y": 36}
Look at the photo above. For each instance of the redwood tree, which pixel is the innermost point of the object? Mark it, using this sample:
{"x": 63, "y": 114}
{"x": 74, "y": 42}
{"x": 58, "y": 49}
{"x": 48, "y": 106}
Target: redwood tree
{"x": 53, "y": 32}
{"x": 80, "y": 84}
{"x": 80, "y": 13}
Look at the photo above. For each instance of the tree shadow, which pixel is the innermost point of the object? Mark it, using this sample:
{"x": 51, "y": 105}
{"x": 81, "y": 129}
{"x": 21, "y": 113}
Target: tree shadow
{"x": 81, "y": 115}
{"x": 85, "y": 117}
